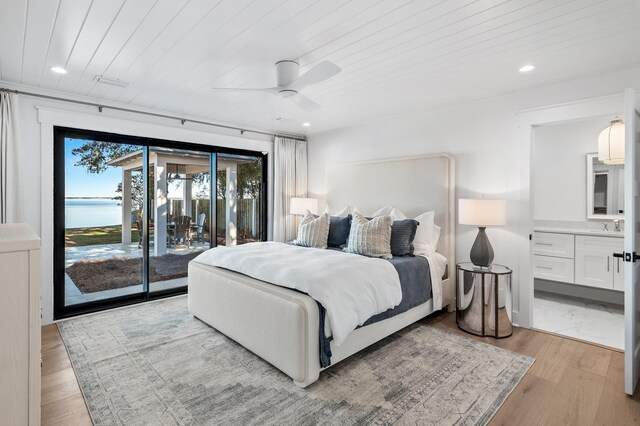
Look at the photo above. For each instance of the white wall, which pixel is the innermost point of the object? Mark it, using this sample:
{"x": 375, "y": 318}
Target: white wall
{"x": 36, "y": 160}
{"x": 560, "y": 168}
{"x": 487, "y": 143}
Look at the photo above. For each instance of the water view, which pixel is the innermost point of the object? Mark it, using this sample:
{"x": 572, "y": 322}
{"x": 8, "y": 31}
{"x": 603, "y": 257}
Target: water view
{"x": 88, "y": 212}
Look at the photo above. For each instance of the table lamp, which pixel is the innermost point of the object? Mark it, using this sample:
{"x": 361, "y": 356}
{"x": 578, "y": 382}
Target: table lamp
{"x": 299, "y": 205}
{"x": 482, "y": 213}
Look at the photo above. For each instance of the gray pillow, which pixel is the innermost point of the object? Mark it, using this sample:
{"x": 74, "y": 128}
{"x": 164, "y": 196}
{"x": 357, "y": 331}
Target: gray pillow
{"x": 339, "y": 227}
{"x": 370, "y": 237}
{"x": 402, "y": 234}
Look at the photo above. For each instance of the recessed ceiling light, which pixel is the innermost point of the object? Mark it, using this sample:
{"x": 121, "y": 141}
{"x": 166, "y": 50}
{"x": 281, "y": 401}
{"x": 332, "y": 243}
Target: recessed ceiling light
{"x": 58, "y": 70}
{"x": 527, "y": 68}
{"x": 306, "y": 124}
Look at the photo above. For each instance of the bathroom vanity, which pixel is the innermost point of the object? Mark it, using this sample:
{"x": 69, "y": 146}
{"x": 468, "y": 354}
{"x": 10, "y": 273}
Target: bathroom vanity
{"x": 579, "y": 256}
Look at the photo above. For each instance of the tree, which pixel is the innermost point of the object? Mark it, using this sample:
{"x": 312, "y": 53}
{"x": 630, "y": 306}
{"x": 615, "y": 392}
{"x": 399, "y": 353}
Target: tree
{"x": 95, "y": 155}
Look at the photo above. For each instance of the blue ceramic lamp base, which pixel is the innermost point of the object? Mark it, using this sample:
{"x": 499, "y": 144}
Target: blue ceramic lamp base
{"x": 481, "y": 252}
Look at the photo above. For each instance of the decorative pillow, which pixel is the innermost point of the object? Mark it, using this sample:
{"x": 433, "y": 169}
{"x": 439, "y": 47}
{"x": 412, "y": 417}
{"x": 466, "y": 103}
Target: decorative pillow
{"x": 370, "y": 237}
{"x": 313, "y": 231}
{"x": 426, "y": 239}
{"x": 402, "y": 234}
{"x": 339, "y": 228}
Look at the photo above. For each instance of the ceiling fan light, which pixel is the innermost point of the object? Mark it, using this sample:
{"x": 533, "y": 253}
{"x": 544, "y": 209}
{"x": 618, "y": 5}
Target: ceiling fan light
{"x": 611, "y": 143}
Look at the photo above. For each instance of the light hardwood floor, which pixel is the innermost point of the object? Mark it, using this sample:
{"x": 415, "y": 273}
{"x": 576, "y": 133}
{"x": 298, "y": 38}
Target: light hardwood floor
{"x": 571, "y": 383}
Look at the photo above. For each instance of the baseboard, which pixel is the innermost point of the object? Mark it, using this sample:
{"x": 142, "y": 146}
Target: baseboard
{"x": 592, "y": 293}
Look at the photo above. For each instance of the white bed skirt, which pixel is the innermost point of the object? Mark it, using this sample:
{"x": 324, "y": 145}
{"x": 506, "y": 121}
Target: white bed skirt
{"x": 281, "y": 325}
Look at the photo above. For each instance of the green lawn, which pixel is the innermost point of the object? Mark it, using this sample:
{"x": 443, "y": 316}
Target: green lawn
{"x": 75, "y": 237}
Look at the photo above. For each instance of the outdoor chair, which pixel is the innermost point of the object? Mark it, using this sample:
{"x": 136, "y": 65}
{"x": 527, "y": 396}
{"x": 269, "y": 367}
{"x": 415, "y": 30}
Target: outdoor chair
{"x": 182, "y": 230}
{"x": 141, "y": 233}
{"x": 200, "y": 228}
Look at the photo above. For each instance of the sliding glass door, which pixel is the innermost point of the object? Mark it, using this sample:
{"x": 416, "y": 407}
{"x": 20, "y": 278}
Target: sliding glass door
{"x": 130, "y": 213}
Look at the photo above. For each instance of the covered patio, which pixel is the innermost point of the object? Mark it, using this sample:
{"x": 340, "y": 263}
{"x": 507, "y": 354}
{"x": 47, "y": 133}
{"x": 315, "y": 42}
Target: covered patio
{"x": 170, "y": 165}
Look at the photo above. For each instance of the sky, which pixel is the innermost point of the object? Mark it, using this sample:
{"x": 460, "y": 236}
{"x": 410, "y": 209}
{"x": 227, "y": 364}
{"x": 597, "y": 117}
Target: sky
{"x": 80, "y": 183}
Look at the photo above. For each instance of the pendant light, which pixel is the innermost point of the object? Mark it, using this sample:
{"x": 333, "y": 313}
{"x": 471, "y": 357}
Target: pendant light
{"x": 611, "y": 143}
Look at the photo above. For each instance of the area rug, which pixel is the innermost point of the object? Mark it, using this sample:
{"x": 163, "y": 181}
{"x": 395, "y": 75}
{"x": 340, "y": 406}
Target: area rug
{"x": 119, "y": 272}
{"x": 155, "y": 364}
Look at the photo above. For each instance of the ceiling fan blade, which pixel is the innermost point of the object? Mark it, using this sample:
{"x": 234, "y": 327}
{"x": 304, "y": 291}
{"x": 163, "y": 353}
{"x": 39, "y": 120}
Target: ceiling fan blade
{"x": 323, "y": 71}
{"x": 272, "y": 90}
{"x": 304, "y": 102}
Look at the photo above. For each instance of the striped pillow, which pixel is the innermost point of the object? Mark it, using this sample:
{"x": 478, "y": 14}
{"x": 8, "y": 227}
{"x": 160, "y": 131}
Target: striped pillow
{"x": 313, "y": 231}
{"x": 370, "y": 237}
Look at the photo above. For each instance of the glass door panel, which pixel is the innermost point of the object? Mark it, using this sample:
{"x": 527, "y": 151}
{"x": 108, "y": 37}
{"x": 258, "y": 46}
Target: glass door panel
{"x": 239, "y": 204}
{"x": 130, "y": 213}
{"x": 179, "y": 200}
{"x": 103, "y": 258}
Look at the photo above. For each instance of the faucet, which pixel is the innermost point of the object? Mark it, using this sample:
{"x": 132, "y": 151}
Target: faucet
{"x": 616, "y": 225}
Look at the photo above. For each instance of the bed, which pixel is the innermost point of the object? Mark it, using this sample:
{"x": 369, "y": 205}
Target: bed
{"x": 282, "y": 325}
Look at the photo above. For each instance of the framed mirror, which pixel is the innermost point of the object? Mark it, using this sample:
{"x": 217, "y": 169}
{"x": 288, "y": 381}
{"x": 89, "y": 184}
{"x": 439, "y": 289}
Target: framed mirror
{"x": 605, "y": 189}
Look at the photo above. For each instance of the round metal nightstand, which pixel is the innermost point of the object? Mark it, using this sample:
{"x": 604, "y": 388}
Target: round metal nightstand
{"x": 483, "y": 300}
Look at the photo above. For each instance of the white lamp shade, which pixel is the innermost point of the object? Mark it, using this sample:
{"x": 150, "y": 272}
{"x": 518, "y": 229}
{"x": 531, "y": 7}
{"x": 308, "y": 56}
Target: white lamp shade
{"x": 299, "y": 205}
{"x": 482, "y": 212}
{"x": 611, "y": 143}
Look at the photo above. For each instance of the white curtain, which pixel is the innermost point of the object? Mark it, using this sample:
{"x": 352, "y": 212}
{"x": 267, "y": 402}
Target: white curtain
{"x": 290, "y": 180}
{"x": 10, "y": 185}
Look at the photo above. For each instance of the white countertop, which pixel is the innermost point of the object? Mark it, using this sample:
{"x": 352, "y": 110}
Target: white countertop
{"x": 579, "y": 231}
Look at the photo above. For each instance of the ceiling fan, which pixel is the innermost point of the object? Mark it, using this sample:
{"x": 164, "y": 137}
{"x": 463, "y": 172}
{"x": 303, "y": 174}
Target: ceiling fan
{"x": 290, "y": 82}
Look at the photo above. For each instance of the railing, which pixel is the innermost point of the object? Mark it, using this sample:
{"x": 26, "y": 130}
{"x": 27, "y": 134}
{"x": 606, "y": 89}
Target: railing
{"x": 249, "y": 217}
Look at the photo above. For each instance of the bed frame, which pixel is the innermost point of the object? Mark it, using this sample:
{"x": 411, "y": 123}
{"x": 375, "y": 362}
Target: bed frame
{"x": 282, "y": 325}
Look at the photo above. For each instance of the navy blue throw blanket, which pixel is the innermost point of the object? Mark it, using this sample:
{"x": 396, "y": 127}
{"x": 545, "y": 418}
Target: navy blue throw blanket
{"x": 415, "y": 281}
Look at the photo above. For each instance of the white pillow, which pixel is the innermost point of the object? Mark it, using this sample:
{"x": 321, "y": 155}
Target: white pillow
{"x": 346, "y": 211}
{"x": 358, "y": 210}
{"x": 427, "y": 235}
{"x": 397, "y": 214}
{"x": 383, "y": 211}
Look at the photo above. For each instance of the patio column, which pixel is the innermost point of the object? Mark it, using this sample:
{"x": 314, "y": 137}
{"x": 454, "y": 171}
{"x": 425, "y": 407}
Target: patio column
{"x": 160, "y": 190}
{"x": 186, "y": 197}
{"x": 126, "y": 206}
{"x": 232, "y": 205}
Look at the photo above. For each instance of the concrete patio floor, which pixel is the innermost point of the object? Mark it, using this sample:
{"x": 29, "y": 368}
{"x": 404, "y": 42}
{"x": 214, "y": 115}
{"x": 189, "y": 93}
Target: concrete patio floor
{"x": 74, "y": 296}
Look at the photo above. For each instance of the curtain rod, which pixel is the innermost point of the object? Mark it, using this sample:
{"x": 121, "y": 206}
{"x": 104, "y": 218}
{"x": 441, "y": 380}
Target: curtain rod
{"x": 153, "y": 114}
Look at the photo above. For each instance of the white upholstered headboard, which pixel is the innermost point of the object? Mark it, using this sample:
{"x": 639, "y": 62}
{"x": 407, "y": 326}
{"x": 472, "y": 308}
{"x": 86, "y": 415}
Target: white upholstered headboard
{"x": 413, "y": 184}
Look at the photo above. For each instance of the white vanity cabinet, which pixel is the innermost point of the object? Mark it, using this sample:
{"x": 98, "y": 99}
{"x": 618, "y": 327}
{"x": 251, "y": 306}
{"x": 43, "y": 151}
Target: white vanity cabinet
{"x": 579, "y": 259}
{"x": 595, "y": 264}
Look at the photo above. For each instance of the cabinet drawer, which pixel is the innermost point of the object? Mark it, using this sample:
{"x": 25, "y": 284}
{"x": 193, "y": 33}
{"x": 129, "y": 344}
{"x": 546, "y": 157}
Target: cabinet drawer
{"x": 553, "y": 268}
{"x": 550, "y": 244}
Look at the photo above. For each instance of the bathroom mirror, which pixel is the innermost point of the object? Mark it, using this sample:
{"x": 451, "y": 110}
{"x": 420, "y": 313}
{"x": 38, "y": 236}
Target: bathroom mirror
{"x": 605, "y": 189}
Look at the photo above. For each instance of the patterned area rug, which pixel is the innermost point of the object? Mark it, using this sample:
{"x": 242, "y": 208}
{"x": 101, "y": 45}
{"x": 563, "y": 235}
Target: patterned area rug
{"x": 154, "y": 364}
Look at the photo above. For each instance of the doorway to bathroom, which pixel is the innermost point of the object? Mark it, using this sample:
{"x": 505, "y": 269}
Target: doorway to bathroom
{"x": 578, "y": 212}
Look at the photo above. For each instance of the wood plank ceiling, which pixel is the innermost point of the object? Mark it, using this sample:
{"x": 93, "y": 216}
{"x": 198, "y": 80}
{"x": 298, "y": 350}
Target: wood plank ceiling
{"x": 397, "y": 56}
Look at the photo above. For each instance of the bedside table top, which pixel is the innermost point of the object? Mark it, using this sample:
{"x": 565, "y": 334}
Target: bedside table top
{"x": 493, "y": 269}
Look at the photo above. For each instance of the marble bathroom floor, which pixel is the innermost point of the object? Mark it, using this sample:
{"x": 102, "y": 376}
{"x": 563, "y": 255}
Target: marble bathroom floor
{"x": 582, "y": 319}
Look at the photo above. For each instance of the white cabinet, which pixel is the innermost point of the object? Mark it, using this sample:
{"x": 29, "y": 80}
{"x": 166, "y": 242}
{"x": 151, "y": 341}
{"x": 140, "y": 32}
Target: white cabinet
{"x": 553, "y": 268}
{"x": 618, "y": 273}
{"x": 579, "y": 259}
{"x": 551, "y": 244}
{"x": 19, "y": 326}
{"x": 595, "y": 264}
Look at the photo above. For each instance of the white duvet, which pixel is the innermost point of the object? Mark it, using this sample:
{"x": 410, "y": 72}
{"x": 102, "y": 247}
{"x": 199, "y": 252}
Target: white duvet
{"x": 351, "y": 288}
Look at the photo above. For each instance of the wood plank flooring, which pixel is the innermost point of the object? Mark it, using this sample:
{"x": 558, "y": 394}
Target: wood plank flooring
{"x": 571, "y": 382}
